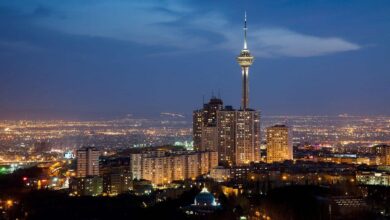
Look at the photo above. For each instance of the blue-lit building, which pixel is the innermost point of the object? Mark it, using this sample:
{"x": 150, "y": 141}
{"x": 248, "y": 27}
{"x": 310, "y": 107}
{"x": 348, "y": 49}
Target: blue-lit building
{"x": 204, "y": 203}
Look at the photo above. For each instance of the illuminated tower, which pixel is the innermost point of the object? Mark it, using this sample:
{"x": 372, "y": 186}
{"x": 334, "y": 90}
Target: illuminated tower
{"x": 247, "y": 121}
{"x": 234, "y": 134}
{"x": 245, "y": 59}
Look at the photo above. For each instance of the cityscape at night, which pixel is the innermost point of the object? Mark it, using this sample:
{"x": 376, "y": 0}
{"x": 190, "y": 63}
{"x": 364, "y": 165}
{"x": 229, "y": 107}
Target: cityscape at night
{"x": 168, "y": 109}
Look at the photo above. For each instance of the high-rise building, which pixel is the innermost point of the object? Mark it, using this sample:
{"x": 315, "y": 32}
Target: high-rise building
{"x": 226, "y": 123}
{"x": 205, "y": 125}
{"x": 209, "y": 138}
{"x": 235, "y": 134}
{"x": 87, "y": 162}
{"x": 279, "y": 144}
{"x": 136, "y": 166}
{"x": 238, "y": 136}
{"x": 197, "y": 127}
{"x": 247, "y": 136}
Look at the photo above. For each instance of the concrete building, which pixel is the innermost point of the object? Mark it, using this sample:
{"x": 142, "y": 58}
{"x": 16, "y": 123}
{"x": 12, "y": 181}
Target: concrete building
{"x": 378, "y": 178}
{"x": 87, "y": 162}
{"x": 210, "y": 138}
{"x": 238, "y": 136}
{"x": 86, "y": 186}
{"x": 117, "y": 183}
{"x": 247, "y": 137}
{"x": 220, "y": 174}
{"x": 279, "y": 144}
{"x": 382, "y": 153}
{"x": 164, "y": 166}
{"x": 204, "y": 125}
{"x": 226, "y": 123}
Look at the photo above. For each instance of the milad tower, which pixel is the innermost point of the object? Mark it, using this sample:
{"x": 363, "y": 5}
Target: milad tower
{"x": 245, "y": 59}
{"x": 234, "y": 134}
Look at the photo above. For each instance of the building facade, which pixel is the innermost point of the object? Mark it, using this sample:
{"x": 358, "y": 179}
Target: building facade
{"x": 87, "y": 162}
{"x": 238, "y": 136}
{"x": 164, "y": 166}
{"x": 382, "y": 153}
{"x": 205, "y": 125}
{"x": 117, "y": 183}
{"x": 226, "y": 123}
{"x": 373, "y": 178}
{"x": 279, "y": 144}
{"x": 86, "y": 186}
{"x": 247, "y": 137}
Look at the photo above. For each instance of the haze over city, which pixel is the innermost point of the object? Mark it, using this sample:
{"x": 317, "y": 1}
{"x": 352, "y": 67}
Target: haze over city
{"x": 98, "y": 59}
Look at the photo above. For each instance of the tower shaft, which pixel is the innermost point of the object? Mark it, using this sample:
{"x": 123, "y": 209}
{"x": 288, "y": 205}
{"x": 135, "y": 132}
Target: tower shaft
{"x": 245, "y": 88}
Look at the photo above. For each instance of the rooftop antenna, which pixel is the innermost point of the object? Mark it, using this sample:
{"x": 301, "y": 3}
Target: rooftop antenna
{"x": 219, "y": 93}
{"x": 245, "y": 29}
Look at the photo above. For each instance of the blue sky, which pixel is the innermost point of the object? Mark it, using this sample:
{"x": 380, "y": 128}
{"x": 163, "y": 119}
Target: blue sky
{"x": 95, "y": 58}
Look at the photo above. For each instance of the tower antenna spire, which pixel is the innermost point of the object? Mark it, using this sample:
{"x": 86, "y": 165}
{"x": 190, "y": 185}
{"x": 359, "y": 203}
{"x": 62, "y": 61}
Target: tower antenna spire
{"x": 245, "y": 29}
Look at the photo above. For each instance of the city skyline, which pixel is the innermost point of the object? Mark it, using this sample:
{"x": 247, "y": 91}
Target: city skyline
{"x": 93, "y": 60}
{"x": 97, "y": 99}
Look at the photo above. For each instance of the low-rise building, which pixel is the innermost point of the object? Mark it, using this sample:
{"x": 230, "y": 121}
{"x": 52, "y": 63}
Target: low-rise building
{"x": 220, "y": 174}
{"x": 373, "y": 178}
{"x": 86, "y": 186}
{"x": 117, "y": 183}
{"x": 162, "y": 166}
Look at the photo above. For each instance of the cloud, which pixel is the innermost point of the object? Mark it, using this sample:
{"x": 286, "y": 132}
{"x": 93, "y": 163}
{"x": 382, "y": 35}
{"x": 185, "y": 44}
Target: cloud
{"x": 272, "y": 42}
{"x": 284, "y": 42}
{"x": 180, "y": 26}
{"x": 277, "y": 42}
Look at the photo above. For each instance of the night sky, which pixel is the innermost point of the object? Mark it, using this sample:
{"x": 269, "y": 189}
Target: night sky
{"x": 91, "y": 59}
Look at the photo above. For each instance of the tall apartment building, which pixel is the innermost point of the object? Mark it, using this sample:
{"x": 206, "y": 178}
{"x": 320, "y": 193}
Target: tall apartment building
{"x": 226, "y": 123}
{"x": 209, "y": 138}
{"x": 238, "y": 136}
{"x": 279, "y": 144}
{"x": 247, "y": 137}
{"x": 165, "y": 166}
{"x": 205, "y": 125}
{"x": 87, "y": 162}
{"x": 234, "y": 134}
